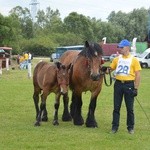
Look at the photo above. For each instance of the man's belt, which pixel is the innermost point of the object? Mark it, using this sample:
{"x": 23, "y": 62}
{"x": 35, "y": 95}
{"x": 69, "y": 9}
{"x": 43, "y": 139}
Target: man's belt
{"x": 125, "y": 81}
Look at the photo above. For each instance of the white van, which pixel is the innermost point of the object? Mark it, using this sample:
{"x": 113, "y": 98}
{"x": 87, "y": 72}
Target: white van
{"x": 144, "y": 58}
{"x": 54, "y": 57}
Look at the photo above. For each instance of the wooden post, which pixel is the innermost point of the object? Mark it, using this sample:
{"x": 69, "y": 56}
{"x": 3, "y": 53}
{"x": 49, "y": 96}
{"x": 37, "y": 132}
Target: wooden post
{"x": 0, "y": 66}
{"x": 7, "y": 64}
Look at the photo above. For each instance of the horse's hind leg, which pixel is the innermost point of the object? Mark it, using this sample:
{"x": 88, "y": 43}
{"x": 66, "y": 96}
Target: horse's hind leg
{"x": 42, "y": 107}
{"x": 90, "y": 121}
{"x": 66, "y": 115}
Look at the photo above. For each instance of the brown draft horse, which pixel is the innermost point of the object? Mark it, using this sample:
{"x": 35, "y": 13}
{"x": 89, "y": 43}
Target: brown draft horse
{"x": 86, "y": 75}
{"x": 50, "y": 78}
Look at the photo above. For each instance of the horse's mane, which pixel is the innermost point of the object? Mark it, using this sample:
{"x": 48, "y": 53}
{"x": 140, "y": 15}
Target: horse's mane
{"x": 91, "y": 50}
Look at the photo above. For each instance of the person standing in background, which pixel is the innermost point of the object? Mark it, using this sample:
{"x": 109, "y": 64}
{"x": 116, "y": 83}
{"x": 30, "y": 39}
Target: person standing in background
{"x": 29, "y": 65}
{"x": 26, "y": 56}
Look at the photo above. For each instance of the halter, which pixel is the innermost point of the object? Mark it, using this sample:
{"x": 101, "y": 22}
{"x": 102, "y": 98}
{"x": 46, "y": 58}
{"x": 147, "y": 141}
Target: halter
{"x": 88, "y": 63}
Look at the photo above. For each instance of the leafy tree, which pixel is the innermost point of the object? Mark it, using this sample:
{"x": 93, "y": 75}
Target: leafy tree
{"x": 25, "y": 19}
{"x": 49, "y": 31}
{"x": 79, "y": 25}
{"x": 41, "y": 19}
{"x": 134, "y": 23}
{"x": 9, "y": 32}
{"x": 54, "y": 23}
{"x": 137, "y": 26}
{"x": 49, "y": 22}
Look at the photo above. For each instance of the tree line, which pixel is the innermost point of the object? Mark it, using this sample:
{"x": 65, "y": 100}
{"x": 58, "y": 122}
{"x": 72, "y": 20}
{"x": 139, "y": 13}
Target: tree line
{"x": 48, "y": 31}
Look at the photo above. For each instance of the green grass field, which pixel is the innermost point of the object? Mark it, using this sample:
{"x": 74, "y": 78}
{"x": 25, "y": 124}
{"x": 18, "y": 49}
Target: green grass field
{"x": 17, "y": 118}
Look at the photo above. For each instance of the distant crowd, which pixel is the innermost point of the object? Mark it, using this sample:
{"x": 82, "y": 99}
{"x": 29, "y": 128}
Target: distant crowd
{"x": 24, "y": 59}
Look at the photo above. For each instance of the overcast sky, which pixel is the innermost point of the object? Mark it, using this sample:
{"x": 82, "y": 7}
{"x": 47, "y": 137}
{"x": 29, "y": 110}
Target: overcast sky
{"x": 100, "y": 9}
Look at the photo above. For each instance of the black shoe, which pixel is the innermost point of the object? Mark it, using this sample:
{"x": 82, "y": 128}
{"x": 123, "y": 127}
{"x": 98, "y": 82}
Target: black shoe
{"x": 113, "y": 131}
{"x": 131, "y": 131}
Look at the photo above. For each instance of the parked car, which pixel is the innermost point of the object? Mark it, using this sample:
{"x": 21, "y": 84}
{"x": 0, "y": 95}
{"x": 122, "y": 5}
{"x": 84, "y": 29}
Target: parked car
{"x": 112, "y": 56}
{"x": 144, "y": 58}
{"x": 54, "y": 57}
{"x": 106, "y": 58}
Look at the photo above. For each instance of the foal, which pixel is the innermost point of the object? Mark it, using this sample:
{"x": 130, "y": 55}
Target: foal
{"x": 50, "y": 78}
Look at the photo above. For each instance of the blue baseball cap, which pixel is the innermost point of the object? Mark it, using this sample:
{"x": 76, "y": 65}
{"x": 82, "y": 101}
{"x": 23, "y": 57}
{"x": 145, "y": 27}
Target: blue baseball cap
{"x": 124, "y": 43}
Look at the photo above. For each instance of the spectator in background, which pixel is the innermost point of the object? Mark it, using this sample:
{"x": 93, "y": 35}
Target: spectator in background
{"x": 18, "y": 58}
{"x": 29, "y": 65}
{"x": 26, "y": 59}
{"x": 21, "y": 62}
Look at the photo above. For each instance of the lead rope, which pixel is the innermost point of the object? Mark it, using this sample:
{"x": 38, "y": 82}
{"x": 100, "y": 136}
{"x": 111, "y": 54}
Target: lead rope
{"x": 143, "y": 110}
{"x": 110, "y": 78}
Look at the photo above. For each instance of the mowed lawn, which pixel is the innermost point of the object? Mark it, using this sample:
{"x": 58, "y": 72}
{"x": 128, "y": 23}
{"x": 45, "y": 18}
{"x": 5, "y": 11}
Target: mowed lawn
{"x": 17, "y": 118}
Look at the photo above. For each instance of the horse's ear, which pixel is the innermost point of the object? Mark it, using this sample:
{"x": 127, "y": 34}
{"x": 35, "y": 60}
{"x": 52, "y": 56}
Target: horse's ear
{"x": 58, "y": 64}
{"x": 87, "y": 44}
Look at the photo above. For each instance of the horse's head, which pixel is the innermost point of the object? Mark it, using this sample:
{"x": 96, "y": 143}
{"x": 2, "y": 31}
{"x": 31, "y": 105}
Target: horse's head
{"x": 63, "y": 77}
{"x": 93, "y": 52}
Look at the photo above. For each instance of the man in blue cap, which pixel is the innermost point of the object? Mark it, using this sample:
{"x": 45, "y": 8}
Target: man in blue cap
{"x": 127, "y": 70}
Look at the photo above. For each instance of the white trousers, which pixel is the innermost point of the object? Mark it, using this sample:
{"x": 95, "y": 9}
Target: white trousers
{"x": 29, "y": 70}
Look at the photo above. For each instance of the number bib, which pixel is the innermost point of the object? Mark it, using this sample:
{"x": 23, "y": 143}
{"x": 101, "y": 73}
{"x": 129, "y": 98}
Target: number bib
{"x": 123, "y": 67}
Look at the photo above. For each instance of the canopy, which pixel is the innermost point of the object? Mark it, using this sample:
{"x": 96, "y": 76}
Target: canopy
{"x": 6, "y": 48}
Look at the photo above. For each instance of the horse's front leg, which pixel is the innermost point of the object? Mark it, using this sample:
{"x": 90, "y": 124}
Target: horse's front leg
{"x": 77, "y": 104}
{"x": 56, "y": 106}
{"x": 72, "y": 105}
{"x": 66, "y": 115}
{"x": 36, "y": 103}
{"x": 90, "y": 121}
{"x": 42, "y": 107}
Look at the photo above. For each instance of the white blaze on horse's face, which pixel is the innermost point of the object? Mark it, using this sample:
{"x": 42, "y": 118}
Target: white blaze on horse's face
{"x": 96, "y": 54}
{"x": 95, "y": 68}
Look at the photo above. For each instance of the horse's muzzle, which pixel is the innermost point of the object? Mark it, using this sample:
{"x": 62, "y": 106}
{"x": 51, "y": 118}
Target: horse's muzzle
{"x": 63, "y": 90}
{"x": 95, "y": 77}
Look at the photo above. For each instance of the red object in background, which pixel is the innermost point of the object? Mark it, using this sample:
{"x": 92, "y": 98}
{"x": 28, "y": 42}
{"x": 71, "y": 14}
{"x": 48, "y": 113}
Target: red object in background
{"x": 102, "y": 61}
{"x": 110, "y": 48}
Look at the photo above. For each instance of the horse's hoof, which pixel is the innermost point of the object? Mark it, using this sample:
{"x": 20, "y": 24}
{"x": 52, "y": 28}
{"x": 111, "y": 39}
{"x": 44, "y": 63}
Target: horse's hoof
{"x": 91, "y": 124}
{"x": 45, "y": 119}
{"x": 55, "y": 123}
{"x": 78, "y": 122}
{"x": 37, "y": 124}
{"x": 66, "y": 117}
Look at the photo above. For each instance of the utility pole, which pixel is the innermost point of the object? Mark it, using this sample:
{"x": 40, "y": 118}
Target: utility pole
{"x": 148, "y": 40}
{"x": 33, "y": 9}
